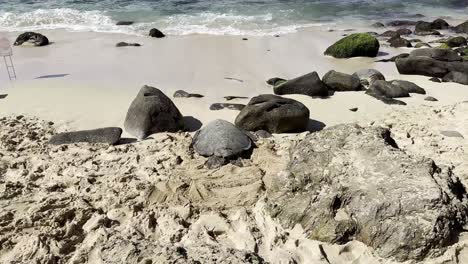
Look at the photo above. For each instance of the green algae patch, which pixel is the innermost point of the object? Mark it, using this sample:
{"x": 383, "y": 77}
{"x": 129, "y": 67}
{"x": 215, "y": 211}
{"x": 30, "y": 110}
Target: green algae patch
{"x": 355, "y": 45}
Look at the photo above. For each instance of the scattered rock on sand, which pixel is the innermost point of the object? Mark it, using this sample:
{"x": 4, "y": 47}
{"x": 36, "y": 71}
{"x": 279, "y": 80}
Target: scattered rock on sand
{"x": 456, "y": 42}
{"x": 399, "y": 42}
{"x": 354, "y": 109}
{"x": 125, "y": 44}
{"x": 390, "y": 34}
{"x": 352, "y": 183}
{"x": 309, "y": 84}
{"x": 229, "y": 98}
{"x": 437, "y": 54}
{"x": 274, "y": 114}
{"x": 355, "y": 45}
{"x": 222, "y": 139}
{"x": 124, "y": 23}
{"x": 220, "y": 106}
{"x": 404, "y": 32}
{"x": 342, "y": 82}
{"x": 378, "y": 25}
{"x": 156, "y": 33}
{"x": 419, "y": 65}
{"x": 184, "y": 94}
{"x": 431, "y": 99}
{"x": 387, "y": 89}
{"x": 456, "y": 77}
{"x": 275, "y": 81}
{"x": 37, "y": 39}
{"x": 152, "y": 112}
{"x": 108, "y": 135}
{"x": 368, "y": 76}
{"x": 409, "y": 87}
{"x": 435, "y": 79}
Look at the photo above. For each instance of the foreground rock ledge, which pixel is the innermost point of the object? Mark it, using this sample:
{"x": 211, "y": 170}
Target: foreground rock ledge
{"x": 349, "y": 183}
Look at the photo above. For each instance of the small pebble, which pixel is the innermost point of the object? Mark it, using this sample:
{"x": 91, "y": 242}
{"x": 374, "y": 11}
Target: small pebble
{"x": 354, "y": 109}
{"x": 431, "y": 99}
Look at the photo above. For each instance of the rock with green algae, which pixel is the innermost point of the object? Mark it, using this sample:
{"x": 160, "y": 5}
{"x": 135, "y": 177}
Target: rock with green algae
{"x": 355, "y": 45}
{"x": 444, "y": 46}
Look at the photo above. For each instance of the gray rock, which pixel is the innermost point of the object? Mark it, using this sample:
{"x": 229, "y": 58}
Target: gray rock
{"x": 456, "y": 77}
{"x": 184, "y": 94}
{"x": 221, "y": 139}
{"x": 408, "y": 86}
{"x": 275, "y": 81}
{"x": 435, "y": 79}
{"x": 418, "y": 65}
{"x": 456, "y": 42}
{"x": 390, "y": 34}
{"x": 342, "y": 82}
{"x": 229, "y": 98}
{"x": 354, "y": 109}
{"x": 274, "y": 114}
{"x": 462, "y": 28}
{"x": 440, "y": 24}
{"x": 399, "y": 42}
{"x": 351, "y": 183}
{"x": 394, "y": 58}
{"x": 309, "y": 84}
{"x": 378, "y": 25}
{"x": 37, "y": 39}
{"x": 370, "y": 75}
{"x": 108, "y": 135}
{"x": 125, "y": 44}
{"x": 431, "y": 99}
{"x": 124, "y": 23}
{"x": 437, "y": 54}
{"x": 451, "y": 133}
{"x": 424, "y": 28}
{"x": 263, "y": 134}
{"x": 404, "y": 32}
{"x": 401, "y": 23}
{"x": 152, "y": 112}
{"x": 386, "y": 89}
{"x": 220, "y": 106}
{"x": 422, "y": 45}
{"x": 156, "y": 33}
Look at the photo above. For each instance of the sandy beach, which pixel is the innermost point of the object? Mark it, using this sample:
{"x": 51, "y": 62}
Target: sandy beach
{"x": 155, "y": 201}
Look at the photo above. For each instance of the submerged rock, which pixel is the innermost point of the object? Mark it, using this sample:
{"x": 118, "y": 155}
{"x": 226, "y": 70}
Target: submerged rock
{"x": 37, "y": 39}
{"x": 352, "y": 183}
{"x": 274, "y": 114}
{"x": 108, "y": 135}
{"x": 355, "y": 45}
{"x": 152, "y": 112}
{"x": 309, "y": 84}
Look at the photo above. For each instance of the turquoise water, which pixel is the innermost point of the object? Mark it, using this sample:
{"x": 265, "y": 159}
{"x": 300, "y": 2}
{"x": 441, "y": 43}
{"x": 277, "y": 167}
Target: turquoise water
{"x": 234, "y": 17}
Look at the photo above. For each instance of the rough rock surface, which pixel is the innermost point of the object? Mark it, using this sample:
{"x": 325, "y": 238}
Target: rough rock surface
{"x": 342, "y": 82}
{"x": 355, "y": 45}
{"x": 151, "y": 112}
{"x": 274, "y": 114}
{"x": 309, "y": 84}
{"x": 108, "y": 135}
{"x": 156, "y": 33}
{"x": 349, "y": 182}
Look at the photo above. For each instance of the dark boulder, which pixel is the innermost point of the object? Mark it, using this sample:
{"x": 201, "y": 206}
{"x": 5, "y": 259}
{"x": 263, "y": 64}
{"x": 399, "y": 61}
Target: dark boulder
{"x": 401, "y": 23}
{"x": 394, "y": 58}
{"x": 156, "y": 33}
{"x": 440, "y": 24}
{"x": 184, "y": 94}
{"x": 230, "y": 97}
{"x": 462, "y": 28}
{"x": 408, "y": 86}
{"x": 124, "y": 23}
{"x": 390, "y": 34}
{"x": 435, "y": 79}
{"x": 422, "y": 66}
{"x": 125, "y": 44}
{"x": 387, "y": 89}
{"x": 275, "y": 81}
{"x": 152, "y": 112}
{"x": 430, "y": 99}
{"x": 309, "y": 84}
{"x": 368, "y": 76}
{"x": 355, "y": 45}
{"x": 404, "y": 32}
{"x": 456, "y": 42}
{"x": 274, "y": 114}
{"x": 221, "y": 139}
{"x": 399, "y": 42}
{"x": 456, "y": 77}
{"x": 342, "y": 82}
{"x": 220, "y": 106}
{"x": 108, "y": 135}
{"x": 378, "y": 25}
{"x": 437, "y": 54}
{"x": 37, "y": 39}
{"x": 423, "y": 27}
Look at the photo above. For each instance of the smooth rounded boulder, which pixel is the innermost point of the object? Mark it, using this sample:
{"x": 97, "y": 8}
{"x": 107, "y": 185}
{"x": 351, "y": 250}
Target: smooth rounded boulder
{"x": 274, "y": 114}
{"x": 342, "y": 82}
{"x": 108, "y": 135}
{"x": 355, "y": 45}
{"x": 222, "y": 139}
{"x": 437, "y": 54}
{"x": 456, "y": 77}
{"x": 152, "y": 112}
{"x": 37, "y": 39}
{"x": 387, "y": 89}
{"x": 462, "y": 28}
{"x": 156, "y": 33}
{"x": 309, "y": 84}
{"x": 368, "y": 76}
{"x": 407, "y": 86}
{"x": 399, "y": 42}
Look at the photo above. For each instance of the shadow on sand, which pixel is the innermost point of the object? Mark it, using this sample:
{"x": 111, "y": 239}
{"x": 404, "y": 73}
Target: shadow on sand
{"x": 52, "y": 76}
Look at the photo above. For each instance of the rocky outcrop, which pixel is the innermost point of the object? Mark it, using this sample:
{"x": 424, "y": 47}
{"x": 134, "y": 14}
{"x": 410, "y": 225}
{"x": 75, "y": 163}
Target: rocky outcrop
{"x": 309, "y": 84}
{"x": 108, "y": 135}
{"x": 37, "y": 39}
{"x": 352, "y": 183}
{"x": 152, "y": 112}
{"x": 274, "y": 114}
{"x": 341, "y": 82}
{"x": 355, "y": 45}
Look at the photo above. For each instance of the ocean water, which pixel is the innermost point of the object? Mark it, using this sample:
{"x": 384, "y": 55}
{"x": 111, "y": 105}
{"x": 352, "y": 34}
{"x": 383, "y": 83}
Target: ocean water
{"x": 220, "y": 17}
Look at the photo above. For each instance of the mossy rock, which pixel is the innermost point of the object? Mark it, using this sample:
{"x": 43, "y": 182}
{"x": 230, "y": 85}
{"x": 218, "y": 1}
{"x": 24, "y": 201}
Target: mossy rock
{"x": 444, "y": 46}
{"x": 355, "y": 45}
{"x": 279, "y": 82}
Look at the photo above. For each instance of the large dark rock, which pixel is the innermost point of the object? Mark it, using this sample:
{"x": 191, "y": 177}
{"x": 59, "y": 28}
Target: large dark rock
{"x": 440, "y": 24}
{"x": 419, "y": 65}
{"x": 408, "y": 86}
{"x": 430, "y": 28}
{"x": 390, "y": 34}
{"x": 37, "y": 39}
{"x": 309, "y": 84}
{"x": 456, "y": 42}
{"x": 437, "y": 54}
{"x": 387, "y": 89}
{"x": 456, "y": 77}
{"x": 152, "y": 112}
{"x": 108, "y": 135}
{"x": 462, "y": 28}
{"x": 352, "y": 183}
{"x": 355, "y": 45}
{"x": 342, "y": 82}
{"x": 156, "y": 33}
{"x": 274, "y": 114}
{"x": 368, "y": 76}
{"x": 399, "y": 42}
{"x": 404, "y": 32}
{"x": 222, "y": 139}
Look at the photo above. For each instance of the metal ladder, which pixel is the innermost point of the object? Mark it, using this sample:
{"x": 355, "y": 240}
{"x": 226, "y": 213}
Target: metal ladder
{"x": 10, "y": 67}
